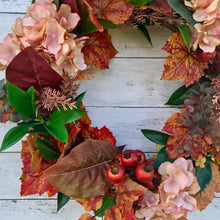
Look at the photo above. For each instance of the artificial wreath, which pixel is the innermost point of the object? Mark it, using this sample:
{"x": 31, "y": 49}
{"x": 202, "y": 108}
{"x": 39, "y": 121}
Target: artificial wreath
{"x": 52, "y": 49}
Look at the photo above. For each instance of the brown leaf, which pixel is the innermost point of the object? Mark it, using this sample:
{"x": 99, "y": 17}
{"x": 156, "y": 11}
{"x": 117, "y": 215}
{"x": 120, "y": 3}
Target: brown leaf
{"x": 28, "y": 69}
{"x": 207, "y": 195}
{"x": 82, "y": 173}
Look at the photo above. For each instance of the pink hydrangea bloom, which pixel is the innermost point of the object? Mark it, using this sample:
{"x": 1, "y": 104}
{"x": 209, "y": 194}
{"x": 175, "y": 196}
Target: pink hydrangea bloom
{"x": 208, "y": 32}
{"x": 174, "y": 197}
{"x": 49, "y": 32}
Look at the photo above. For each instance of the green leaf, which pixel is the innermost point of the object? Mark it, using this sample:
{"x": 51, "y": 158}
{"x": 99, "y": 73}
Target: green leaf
{"x": 204, "y": 175}
{"x": 184, "y": 31}
{"x": 138, "y": 2}
{"x": 90, "y": 27}
{"x": 46, "y": 150}
{"x": 161, "y": 158}
{"x": 107, "y": 203}
{"x": 21, "y": 101}
{"x": 178, "y": 97}
{"x": 56, "y": 2}
{"x": 33, "y": 1}
{"x": 66, "y": 116}
{"x": 79, "y": 98}
{"x": 62, "y": 199}
{"x": 180, "y": 8}
{"x": 30, "y": 93}
{"x": 157, "y": 137}
{"x": 14, "y": 135}
{"x": 144, "y": 30}
{"x": 58, "y": 130}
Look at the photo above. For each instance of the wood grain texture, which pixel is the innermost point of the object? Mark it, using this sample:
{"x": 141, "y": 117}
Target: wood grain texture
{"x": 126, "y": 98}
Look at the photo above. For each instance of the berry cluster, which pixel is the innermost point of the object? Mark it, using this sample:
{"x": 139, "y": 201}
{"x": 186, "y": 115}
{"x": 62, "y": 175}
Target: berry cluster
{"x": 134, "y": 163}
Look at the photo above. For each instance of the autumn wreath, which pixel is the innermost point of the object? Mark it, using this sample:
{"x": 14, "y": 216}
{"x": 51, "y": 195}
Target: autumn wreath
{"x": 47, "y": 56}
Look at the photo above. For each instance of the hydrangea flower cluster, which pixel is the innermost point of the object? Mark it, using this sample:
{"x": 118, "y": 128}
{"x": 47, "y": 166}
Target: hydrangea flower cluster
{"x": 208, "y": 31}
{"x": 175, "y": 193}
{"x": 50, "y": 33}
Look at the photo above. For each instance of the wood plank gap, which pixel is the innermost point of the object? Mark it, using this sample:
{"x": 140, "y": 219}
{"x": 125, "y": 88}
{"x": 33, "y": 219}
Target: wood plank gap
{"x": 12, "y": 13}
{"x": 131, "y": 107}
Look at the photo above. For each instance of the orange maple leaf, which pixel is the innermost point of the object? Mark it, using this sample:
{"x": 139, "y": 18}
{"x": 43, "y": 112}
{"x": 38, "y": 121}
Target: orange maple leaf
{"x": 116, "y": 11}
{"x": 33, "y": 181}
{"x": 187, "y": 145}
{"x": 175, "y": 124}
{"x": 99, "y": 49}
{"x": 91, "y": 204}
{"x": 128, "y": 191}
{"x": 182, "y": 143}
{"x": 87, "y": 216}
{"x": 207, "y": 195}
{"x": 182, "y": 65}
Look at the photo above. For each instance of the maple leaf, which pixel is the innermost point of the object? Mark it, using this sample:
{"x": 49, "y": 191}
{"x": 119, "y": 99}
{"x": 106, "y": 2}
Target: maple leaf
{"x": 99, "y": 49}
{"x": 103, "y": 134}
{"x": 187, "y": 145}
{"x": 175, "y": 124}
{"x": 182, "y": 143}
{"x": 207, "y": 195}
{"x": 87, "y": 216}
{"x": 128, "y": 191}
{"x": 91, "y": 204}
{"x": 116, "y": 11}
{"x": 33, "y": 181}
{"x": 182, "y": 65}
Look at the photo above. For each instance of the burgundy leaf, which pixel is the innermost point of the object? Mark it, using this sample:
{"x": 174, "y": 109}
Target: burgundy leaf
{"x": 28, "y": 69}
{"x": 82, "y": 172}
{"x": 72, "y": 4}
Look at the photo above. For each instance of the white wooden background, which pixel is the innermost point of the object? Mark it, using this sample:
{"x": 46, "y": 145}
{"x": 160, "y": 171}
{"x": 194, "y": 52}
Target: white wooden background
{"x": 126, "y": 98}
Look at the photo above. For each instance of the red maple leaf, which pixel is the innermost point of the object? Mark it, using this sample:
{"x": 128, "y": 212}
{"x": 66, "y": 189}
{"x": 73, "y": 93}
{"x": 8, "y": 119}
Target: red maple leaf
{"x": 182, "y": 65}
{"x": 116, "y": 11}
{"x": 33, "y": 180}
{"x": 99, "y": 49}
{"x": 103, "y": 134}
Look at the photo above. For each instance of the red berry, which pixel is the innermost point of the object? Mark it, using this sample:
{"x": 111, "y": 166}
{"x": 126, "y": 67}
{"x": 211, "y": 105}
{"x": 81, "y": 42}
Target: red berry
{"x": 129, "y": 158}
{"x": 144, "y": 172}
{"x": 115, "y": 173}
{"x": 117, "y": 159}
{"x": 154, "y": 182}
{"x": 204, "y": 57}
{"x": 141, "y": 156}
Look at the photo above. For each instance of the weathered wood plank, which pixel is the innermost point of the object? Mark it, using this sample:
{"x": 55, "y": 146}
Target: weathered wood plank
{"x": 130, "y": 82}
{"x": 39, "y": 209}
{"x": 46, "y": 209}
{"x": 125, "y": 123}
{"x": 14, "y": 6}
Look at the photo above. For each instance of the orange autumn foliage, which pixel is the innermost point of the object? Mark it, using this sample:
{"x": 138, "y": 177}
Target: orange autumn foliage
{"x": 33, "y": 180}
{"x": 182, "y": 143}
{"x": 116, "y": 11}
{"x": 182, "y": 65}
{"x": 99, "y": 49}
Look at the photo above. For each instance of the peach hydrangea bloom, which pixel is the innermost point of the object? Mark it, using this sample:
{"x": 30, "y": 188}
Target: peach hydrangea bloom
{"x": 208, "y": 32}
{"x": 50, "y": 33}
{"x": 174, "y": 197}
